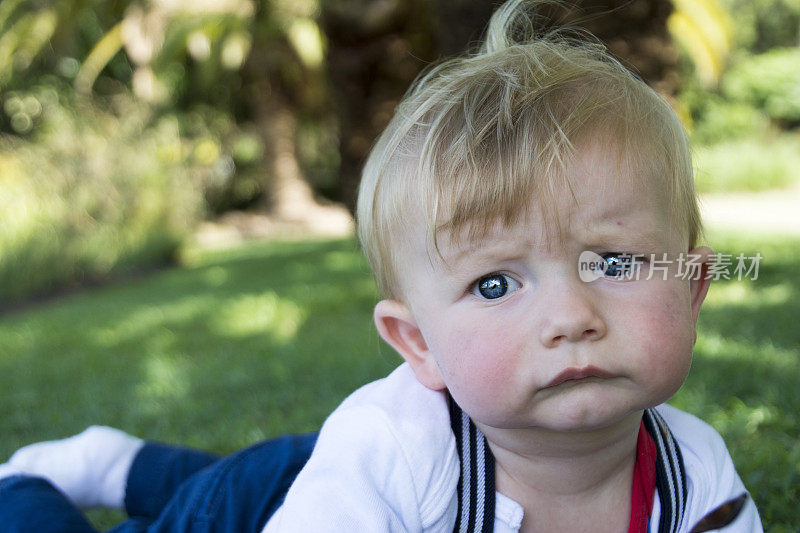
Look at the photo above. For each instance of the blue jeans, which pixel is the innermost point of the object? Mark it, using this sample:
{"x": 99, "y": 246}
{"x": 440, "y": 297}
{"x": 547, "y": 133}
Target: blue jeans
{"x": 172, "y": 489}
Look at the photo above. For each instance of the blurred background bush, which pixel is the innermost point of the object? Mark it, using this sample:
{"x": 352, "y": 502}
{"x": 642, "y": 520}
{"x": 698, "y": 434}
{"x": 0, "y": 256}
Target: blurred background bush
{"x": 124, "y": 123}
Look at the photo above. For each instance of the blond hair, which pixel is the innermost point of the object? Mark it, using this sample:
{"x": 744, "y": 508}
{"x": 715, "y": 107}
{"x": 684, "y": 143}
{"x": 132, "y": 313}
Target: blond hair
{"x": 479, "y": 136}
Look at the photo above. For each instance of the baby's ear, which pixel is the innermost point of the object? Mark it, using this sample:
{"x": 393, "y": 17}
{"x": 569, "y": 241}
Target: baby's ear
{"x": 399, "y": 329}
{"x": 701, "y": 281}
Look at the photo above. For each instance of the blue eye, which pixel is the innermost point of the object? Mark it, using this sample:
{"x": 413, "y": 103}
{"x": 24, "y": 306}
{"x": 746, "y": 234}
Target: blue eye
{"x": 619, "y": 265}
{"x": 494, "y": 286}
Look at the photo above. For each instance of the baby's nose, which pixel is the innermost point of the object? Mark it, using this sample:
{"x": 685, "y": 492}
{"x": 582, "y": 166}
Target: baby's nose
{"x": 571, "y": 318}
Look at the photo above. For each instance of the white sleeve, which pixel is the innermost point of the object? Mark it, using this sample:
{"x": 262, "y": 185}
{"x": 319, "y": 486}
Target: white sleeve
{"x": 712, "y": 477}
{"x": 359, "y": 478}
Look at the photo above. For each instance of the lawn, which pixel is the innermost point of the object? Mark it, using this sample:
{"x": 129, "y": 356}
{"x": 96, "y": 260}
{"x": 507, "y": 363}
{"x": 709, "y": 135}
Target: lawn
{"x": 268, "y": 338}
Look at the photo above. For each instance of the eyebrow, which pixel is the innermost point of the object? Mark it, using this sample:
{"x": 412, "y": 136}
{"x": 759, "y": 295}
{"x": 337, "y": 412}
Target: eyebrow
{"x": 473, "y": 251}
{"x": 622, "y": 241}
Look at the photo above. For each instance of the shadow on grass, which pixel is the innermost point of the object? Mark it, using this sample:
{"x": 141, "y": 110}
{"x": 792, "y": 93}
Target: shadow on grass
{"x": 777, "y": 324}
{"x": 750, "y": 397}
{"x": 264, "y": 340}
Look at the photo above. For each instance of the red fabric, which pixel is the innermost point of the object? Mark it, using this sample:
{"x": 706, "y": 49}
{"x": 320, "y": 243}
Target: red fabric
{"x": 644, "y": 482}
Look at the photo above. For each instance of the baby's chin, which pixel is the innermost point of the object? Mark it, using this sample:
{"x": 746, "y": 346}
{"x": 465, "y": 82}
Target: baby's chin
{"x": 589, "y": 418}
{"x": 577, "y": 413}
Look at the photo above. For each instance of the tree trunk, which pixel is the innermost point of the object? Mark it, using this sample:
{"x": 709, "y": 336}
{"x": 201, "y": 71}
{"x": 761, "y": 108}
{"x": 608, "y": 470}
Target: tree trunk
{"x": 635, "y": 31}
{"x": 375, "y": 50}
{"x": 274, "y": 81}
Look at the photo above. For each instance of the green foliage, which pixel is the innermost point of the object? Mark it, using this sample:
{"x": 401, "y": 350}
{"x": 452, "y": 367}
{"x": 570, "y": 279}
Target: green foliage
{"x": 166, "y": 108}
{"x": 188, "y": 47}
{"x": 231, "y": 153}
{"x": 757, "y": 93}
{"x": 739, "y": 132}
{"x": 41, "y": 38}
{"x": 91, "y": 191}
{"x": 770, "y": 82}
{"x": 722, "y": 120}
{"x": 749, "y": 164}
{"x": 739, "y": 128}
{"x": 267, "y": 339}
{"x": 764, "y": 24}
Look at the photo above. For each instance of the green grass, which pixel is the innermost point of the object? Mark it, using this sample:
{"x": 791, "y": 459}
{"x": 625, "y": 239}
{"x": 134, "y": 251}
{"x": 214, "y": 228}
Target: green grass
{"x": 745, "y": 379}
{"x": 266, "y": 339}
{"x": 236, "y": 347}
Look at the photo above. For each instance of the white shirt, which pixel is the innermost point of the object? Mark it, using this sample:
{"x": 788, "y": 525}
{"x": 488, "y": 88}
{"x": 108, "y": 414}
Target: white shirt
{"x": 386, "y": 460}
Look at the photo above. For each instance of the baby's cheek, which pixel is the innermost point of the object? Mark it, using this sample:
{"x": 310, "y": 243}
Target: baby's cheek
{"x": 667, "y": 339}
{"x": 477, "y": 365}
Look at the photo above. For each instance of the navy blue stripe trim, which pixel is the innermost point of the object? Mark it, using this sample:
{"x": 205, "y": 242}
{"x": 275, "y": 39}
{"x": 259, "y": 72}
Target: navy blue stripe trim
{"x": 473, "y": 477}
{"x": 488, "y": 502}
{"x": 467, "y": 448}
{"x": 670, "y": 474}
{"x": 455, "y": 424}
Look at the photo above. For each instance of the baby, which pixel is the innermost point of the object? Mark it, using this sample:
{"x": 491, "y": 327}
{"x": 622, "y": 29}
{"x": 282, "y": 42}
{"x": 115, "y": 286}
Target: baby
{"x": 532, "y": 396}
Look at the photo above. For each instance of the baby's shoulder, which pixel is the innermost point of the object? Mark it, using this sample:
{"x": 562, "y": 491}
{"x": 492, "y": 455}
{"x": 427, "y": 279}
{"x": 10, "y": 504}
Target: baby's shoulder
{"x": 705, "y": 455}
{"x": 397, "y": 429}
{"x": 399, "y": 392}
{"x": 414, "y": 415}
{"x": 688, "y": 428}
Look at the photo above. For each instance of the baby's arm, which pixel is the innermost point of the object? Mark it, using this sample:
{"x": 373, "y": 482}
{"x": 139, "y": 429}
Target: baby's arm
{"x": 367, "y": 474}
{"x": 90, "y": 468}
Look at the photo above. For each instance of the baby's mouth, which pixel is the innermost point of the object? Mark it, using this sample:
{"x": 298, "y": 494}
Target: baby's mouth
{"x": 577, "y": 374}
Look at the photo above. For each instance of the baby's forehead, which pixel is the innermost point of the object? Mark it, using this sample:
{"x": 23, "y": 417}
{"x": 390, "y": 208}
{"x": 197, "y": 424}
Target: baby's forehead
{"x": 557, "y": 226}
{"x": 597, "y": 184}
